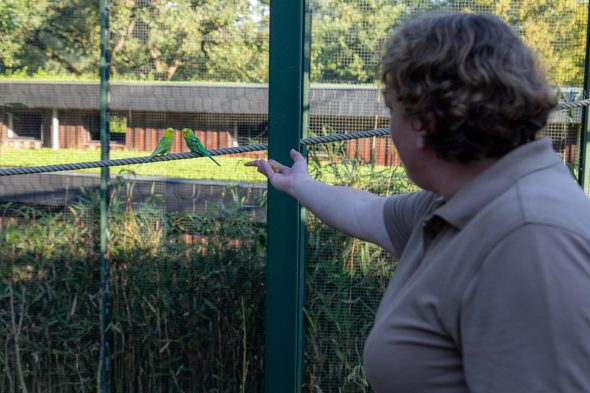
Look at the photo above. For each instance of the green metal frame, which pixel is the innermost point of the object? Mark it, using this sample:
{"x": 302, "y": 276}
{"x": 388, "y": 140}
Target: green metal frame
{"x": 104, "y": 369}
{"x": 288, "y": 123}
{"x": 584, "y": 159}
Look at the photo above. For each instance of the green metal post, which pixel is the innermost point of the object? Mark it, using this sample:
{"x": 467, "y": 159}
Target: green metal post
{"x": 104, "y": 369}
{"x": 584, "y": 159}
{"x": 288, "y": 122}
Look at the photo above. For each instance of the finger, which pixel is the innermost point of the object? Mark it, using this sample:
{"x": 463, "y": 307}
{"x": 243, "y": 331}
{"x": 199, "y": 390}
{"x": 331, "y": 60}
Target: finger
{"x": 276, "y": 166}
{"x": 296, "y": 156}
{"x": 267, "y": 169}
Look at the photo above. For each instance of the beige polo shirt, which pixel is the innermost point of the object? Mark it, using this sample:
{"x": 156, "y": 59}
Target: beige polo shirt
{"x": 492, "y": 291}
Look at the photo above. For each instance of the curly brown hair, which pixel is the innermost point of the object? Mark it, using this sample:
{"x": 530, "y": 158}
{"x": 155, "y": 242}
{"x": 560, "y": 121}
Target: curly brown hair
{"x": 476, "y": 88}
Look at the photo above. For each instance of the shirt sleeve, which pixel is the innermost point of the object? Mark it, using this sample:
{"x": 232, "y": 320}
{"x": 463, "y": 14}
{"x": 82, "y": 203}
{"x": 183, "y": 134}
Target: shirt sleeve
{"x": 402, "y": 212}
{"x": 525, "y": 321}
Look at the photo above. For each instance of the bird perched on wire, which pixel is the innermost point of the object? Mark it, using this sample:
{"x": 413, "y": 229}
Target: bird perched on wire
{"x": 163, "y": 146}
{"x": 195, "y": 145}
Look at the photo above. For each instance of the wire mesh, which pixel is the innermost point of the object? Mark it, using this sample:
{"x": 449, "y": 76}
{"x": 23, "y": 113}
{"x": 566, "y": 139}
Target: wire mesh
{"x": 49, "y": 277}
{"x": 177, "y": 64}
{"x": 345, "y": 277}
{"x": 186, "y": 238}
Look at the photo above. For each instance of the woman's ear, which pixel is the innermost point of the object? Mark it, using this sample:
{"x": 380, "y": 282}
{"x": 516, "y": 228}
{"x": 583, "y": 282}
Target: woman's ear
{"x": 420, "y": 136}
{"x": 423, "y": 130}
{"x": 419, "y": 130}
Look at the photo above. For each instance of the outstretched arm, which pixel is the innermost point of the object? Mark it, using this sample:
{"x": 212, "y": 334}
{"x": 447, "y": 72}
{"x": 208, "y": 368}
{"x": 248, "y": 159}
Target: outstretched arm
{"x": 355, "y": 212}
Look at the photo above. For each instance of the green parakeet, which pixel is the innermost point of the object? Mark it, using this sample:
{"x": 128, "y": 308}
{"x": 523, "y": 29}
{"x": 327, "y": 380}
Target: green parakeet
{"x": 163, "y": 146}
{"x": 194, "y": 144}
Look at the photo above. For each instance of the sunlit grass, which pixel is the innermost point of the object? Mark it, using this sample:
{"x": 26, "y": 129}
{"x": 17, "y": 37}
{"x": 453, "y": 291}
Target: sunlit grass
{"x": 231, "y": 169}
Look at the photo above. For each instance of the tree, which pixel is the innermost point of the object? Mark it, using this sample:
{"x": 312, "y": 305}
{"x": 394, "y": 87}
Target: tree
{"x": 186, "y": 39}
{"x": 347, "y": 37}
{"x": 227, "y": 40}
{"x": 9, "y": 45}
{"x": 555, "y": 29}
{"x": 69, "y": 39}
{"x": 18, "y": 21}
{"x": 223, "y": 40}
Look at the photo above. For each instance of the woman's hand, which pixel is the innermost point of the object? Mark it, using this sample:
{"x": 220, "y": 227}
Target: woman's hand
{"x": 282, "y": 177}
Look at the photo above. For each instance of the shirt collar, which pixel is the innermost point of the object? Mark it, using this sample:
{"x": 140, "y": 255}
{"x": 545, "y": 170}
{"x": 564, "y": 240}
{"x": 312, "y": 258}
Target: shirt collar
{"x": 496, "y": 179}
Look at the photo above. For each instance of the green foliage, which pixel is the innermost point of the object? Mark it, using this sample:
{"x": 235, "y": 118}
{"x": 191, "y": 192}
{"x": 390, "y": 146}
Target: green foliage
{"x": 49, "y": 286}
{"x": 62, "y": 36}
{"x": 118, "y": 124}
{"x": 188, "y": 297}
{"x": 227, "y": 40}
{"x": 19, "y": 22}
{"x": 348, "y": 37}
{"x": 46, "y": 73}
{"x": 331, "y": 164}
{"x": 212, "y": 40}
{"x": 573, "y": 171}
{"x": 8, "y": 28}
{"x": 345, "y": 277}
{"x": 556, "y": 30}
{"x": 159, "y": 40}
{"x": 345, "y": 280}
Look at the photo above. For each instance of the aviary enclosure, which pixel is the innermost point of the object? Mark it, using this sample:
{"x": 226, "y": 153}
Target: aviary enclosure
{"x": 179, "y": 275}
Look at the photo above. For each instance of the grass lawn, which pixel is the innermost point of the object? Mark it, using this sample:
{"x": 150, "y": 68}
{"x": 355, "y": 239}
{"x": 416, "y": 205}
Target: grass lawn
{"x": 231, "y": 169}
{"x": 381, "y": 179}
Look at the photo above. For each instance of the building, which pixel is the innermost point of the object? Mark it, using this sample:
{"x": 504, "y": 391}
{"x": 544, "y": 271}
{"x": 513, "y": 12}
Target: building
{"x": 60, "y": 115}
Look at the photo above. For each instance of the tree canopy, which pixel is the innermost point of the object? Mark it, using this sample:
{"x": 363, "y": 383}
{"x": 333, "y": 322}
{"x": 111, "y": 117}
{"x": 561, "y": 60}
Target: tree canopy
{"x": 227, "y": 40}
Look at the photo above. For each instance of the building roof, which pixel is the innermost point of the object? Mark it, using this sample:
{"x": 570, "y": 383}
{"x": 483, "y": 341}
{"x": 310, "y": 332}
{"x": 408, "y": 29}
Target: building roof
{"x": 220, "y": 98}
{"x": 328, "y": 100}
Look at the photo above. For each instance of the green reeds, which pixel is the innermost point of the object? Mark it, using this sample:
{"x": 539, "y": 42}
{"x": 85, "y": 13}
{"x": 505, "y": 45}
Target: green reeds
{"x": 345, "y": 277}
{"x": 187, "y": 295}
{"x": 188, "y": 298}
{"x": 48, "y": 287}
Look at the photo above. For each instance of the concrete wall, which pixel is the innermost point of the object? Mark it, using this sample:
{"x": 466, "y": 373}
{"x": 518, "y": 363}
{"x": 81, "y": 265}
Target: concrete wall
{"x": 185, "y": 196}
